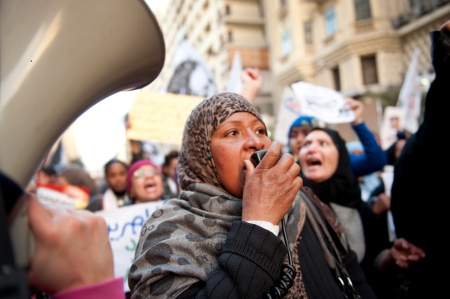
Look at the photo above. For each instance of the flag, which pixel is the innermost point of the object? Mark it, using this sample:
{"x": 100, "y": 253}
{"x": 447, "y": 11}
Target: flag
{"x": 410, "y": 95}
{"x": 191, "y": 75}
{"x": 235, "y": 81}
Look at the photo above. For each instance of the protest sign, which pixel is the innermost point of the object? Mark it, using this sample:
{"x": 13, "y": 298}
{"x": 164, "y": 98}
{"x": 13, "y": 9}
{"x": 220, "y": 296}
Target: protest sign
{"x": 67, "y": 196}
{"x": 323, "y": 103}
{"x": 393, "y": 123}
{"x": 160, "y": 116}
{"x": 289, "y": 111}
{"x": 124, "y": 228}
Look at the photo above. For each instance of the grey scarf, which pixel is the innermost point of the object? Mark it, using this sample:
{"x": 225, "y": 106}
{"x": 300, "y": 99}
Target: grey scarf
{"x": 180, "y": 243}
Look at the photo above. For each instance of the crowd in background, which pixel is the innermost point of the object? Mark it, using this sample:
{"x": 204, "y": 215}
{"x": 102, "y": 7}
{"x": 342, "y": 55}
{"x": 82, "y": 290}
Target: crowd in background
{"x": 336, "y": 195}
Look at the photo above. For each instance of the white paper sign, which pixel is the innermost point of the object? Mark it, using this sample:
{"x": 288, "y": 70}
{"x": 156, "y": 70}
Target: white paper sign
{"x": 51, "y": 197}
{"x": 393, "y": 122}
{"x": 323, "y": 103}
{"x": 288, "y": 112}
{"x": 124, "y": 227}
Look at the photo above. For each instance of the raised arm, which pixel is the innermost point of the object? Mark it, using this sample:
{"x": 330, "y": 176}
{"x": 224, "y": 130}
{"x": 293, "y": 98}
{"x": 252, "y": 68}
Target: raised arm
{"x": 374, "y": 158}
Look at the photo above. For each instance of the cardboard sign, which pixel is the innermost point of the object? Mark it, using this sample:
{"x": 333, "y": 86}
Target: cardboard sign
{"x": 160, "y": 116}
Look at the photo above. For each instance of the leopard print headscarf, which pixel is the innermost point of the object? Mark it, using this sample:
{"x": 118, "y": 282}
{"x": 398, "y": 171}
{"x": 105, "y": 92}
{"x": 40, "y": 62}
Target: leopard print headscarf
{"x": 180, "y": 242}
{"x": 194, "y": 162}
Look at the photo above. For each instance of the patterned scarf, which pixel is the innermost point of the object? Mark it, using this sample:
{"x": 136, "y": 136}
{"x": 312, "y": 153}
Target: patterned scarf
{"x": 180, "y": 243}
{"x": 194, "y": 164}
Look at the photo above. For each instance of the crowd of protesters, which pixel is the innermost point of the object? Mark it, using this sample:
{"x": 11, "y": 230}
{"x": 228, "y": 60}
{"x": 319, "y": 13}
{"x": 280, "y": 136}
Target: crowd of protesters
{"x": 292, "y": 227}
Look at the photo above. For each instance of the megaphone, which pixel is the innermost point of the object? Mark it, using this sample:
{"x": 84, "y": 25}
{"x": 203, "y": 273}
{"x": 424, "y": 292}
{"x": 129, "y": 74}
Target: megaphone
{"x": 58, "y": 59}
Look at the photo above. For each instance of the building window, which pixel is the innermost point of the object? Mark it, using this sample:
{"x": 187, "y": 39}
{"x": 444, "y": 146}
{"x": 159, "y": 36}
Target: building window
{"x": 308, "y": 32}
{"x": 369, "y": 69}
{"x": 261, "y": 10}
{"x": 286, "y": 44}
{"x": 285, "y": 34}
{"x": 330, "y": 21}
{"x": 230, "y": 36}
{"x": 336, "y": 78}
{"x": 227, "y": 9}
{"x": 362, "y": 9}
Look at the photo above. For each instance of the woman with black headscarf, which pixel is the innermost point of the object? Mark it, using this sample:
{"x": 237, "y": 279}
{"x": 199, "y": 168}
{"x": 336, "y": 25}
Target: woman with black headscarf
{"x": 325, "y": 168}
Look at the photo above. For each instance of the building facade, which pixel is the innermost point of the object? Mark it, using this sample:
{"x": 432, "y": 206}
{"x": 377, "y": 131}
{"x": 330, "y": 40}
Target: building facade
{"x": 217, "y": 29}
{"x": 361, "y": 48}
{"x": 358, "y": 47}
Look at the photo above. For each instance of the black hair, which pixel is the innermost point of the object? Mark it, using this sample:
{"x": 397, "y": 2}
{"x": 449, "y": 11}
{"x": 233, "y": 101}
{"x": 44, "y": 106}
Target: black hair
{"x": 169, "y": 157}
{"x": 112, "y": 161}
{"x": 49, "y": 170}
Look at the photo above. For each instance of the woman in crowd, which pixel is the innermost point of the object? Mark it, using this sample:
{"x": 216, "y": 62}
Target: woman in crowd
{"x": 325, "y": 168}
{"x": 115, "y": 196}
{"x": 298, "y": 131}
{"x": 373, "y": 158}
{"x": 56, "y": 232}
{"x": 419, "y": 191}
{"x": 221, "y": 238}
{"x": 169, "y": 172}
{"x": 78, "y": 185}
{"x": 144, "y": 182}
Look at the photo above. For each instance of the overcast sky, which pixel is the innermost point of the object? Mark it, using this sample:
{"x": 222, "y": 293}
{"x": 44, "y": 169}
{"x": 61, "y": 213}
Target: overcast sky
{"x": 100, "y": 132}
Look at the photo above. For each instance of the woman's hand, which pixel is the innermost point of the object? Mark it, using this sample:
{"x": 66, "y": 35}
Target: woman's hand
{"x": 72, "y": 248}
{"x": 402, "y": 253}
{"x": 271, "y": 187}
{"x": 357, "y": 108}
{"x": 382, "y": 205}
{"x": 405, "y": 253}
{"x": 252, "y": 83}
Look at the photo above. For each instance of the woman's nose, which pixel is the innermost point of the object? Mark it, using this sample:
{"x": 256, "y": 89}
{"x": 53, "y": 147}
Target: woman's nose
{"x": 254, "y": 141}
{"x": 313, "y": 146}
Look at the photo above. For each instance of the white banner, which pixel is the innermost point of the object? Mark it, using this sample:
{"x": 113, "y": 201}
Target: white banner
{"x": 323, "y": 103}
{"x": 288, "y": 112}
{"x": 124, "y": 228}
{"x": 410, "y": 97}
{"x": 235, "y": 81}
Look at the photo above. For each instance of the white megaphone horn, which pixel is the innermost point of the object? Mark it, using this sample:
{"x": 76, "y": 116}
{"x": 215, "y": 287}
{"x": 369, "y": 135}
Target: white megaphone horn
{"x": 58, "y": 59}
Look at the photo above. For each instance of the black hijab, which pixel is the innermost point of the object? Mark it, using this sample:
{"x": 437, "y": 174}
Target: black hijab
{"x": 342, "y": 188}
